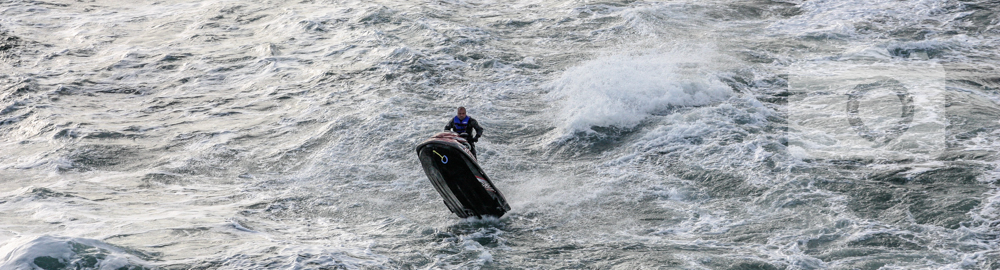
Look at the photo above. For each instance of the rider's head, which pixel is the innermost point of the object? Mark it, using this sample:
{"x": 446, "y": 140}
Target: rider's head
{"x": 461, "y": 112}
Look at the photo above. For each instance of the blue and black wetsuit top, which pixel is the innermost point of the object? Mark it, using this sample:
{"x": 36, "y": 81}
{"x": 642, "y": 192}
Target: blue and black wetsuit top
{"x": 461, "y": 125}
{"x": 465, "y": 126}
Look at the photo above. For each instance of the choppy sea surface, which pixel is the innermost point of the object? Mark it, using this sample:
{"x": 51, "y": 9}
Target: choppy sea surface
{"x": 714, "y": 134}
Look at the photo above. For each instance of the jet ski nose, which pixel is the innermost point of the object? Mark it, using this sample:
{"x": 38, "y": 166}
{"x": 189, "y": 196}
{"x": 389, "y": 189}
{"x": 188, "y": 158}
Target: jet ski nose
{"x": 457, "y": 176}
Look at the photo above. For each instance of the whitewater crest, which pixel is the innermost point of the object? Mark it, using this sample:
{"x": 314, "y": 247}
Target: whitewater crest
{"x": 59, "y": 252}
{"x": 622, "y": 90}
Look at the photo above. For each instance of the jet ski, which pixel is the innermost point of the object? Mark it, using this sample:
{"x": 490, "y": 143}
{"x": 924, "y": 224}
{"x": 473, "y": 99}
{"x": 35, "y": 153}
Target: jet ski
{"x": 456, "y": 175}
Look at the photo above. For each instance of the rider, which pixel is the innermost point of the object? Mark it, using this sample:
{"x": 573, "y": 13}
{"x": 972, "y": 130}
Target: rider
{"x": 463, "y": 125}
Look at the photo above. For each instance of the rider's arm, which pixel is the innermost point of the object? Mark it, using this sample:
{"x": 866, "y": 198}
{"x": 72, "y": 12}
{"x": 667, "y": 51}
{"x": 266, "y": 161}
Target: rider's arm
{"x": 479, "y": 130}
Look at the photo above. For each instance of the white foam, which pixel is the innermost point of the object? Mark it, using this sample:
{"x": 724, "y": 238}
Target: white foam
{"x": 21, "y": 253}
{"x": 708, "y": 134}
{"x": 622, "y": 90}
{"x": 836, "y": 18}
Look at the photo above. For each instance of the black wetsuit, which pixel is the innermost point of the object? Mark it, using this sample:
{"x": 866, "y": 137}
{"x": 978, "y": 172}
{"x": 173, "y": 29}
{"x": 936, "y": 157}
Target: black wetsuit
{"x": 464, "y": 128}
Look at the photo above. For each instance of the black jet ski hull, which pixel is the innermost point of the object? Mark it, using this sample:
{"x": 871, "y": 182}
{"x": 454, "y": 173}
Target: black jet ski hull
{"x": 456, "y": 175}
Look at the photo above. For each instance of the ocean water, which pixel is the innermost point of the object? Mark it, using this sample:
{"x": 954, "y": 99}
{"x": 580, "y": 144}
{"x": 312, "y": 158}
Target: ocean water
{"x": 625, "y": 134}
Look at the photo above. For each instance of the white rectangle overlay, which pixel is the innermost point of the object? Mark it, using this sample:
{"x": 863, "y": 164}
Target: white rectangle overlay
{"x": 880, "y": 111}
